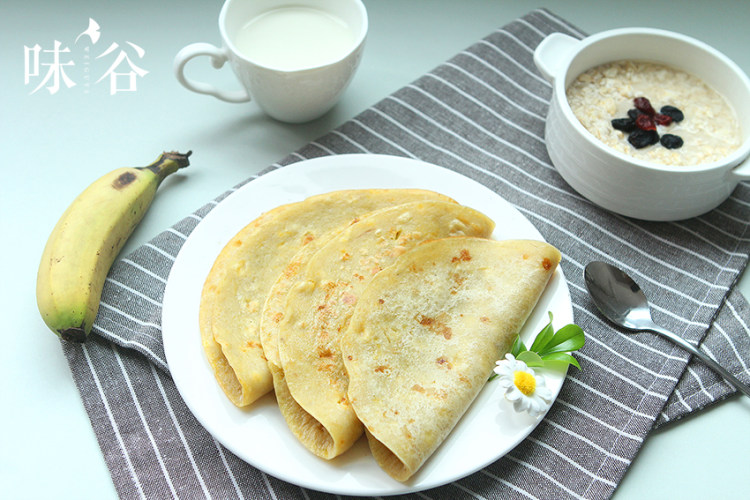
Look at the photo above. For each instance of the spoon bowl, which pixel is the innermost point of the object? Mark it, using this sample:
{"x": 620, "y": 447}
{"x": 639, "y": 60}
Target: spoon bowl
{"x": 622, "y": 301}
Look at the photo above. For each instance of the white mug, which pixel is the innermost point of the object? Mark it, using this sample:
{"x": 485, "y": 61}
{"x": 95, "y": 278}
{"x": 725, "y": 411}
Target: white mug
{"x": 290, "y": 83}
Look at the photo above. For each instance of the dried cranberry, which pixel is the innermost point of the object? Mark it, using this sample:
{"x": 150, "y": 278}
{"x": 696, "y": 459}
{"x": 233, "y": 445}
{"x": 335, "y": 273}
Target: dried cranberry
{"x": 672, "y": 112}
{"x": 644, "y": 105}
{"x": 627, "y": 125}
{"x": 642, "y": 138}
{"x": 663, "y": 120}
{"x": 671, "y": 141}
{"x": 645, "y": 122}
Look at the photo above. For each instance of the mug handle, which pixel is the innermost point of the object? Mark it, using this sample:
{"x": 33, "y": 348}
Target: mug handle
{"x": 552, "y": 52}
{"x": 218, "y": 58}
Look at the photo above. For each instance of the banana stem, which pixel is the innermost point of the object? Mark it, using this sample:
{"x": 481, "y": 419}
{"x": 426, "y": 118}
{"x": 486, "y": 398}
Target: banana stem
{"x": 168, "y": 163}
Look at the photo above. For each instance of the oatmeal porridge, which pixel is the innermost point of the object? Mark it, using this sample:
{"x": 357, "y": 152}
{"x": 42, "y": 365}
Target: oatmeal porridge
{"x": 686, "y": 122}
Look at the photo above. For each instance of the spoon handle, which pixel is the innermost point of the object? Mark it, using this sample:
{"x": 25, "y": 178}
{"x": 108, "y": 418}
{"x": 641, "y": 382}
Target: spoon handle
{"x": 710, "y": 362}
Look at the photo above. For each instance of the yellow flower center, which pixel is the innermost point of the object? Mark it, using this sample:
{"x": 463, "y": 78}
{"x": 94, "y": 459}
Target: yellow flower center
{"x": 525, "y": 382}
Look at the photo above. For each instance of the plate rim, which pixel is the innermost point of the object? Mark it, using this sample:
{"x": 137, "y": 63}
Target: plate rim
{"x": 351, "y": 161}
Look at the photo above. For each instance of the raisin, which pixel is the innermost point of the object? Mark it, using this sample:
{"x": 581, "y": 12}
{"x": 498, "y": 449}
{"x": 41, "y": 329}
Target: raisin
{"x": 671, "y": 141}
{"x": 625, "y": 124}
{"x": 663, "y": 120}
{"x": 642, "y": 138}
{"x": 644, "y": 106}
{"x": 645, "y": 122}
{"x": 672, "y": 112}
{"x": 634, "y": 113}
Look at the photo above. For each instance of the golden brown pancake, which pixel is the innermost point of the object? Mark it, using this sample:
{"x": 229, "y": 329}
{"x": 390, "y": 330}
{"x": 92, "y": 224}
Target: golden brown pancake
{"x": 311, "y": 389}
{"x": 236, "y": 287}
{"x": 426, "y": 333}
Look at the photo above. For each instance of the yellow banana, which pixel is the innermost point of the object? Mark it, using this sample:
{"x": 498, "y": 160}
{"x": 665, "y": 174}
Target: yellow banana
{"x": 86, "y": 240}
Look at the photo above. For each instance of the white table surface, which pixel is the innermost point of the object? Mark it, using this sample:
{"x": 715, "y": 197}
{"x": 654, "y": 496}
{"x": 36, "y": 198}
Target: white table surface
{"x": 53, "y": 145}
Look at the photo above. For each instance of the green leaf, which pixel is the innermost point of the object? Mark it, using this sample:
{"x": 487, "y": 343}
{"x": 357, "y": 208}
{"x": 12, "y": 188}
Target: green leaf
{"x": 560, "y": 357}
{"x": 553, "y": 364}
{"x": 543, "y": 338}
{"x": 550, "y": 349}
{"x": 518, "y": 347}
{"x": 568, "y": 338}
{"x": 530, "y": 358}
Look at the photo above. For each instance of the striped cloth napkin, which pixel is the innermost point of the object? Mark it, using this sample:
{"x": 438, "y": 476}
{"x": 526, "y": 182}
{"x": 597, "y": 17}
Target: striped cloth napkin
{"x": 482, "y": 114}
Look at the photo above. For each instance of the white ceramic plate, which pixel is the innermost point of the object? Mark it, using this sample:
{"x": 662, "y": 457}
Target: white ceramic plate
{"x": 259, "y": 434}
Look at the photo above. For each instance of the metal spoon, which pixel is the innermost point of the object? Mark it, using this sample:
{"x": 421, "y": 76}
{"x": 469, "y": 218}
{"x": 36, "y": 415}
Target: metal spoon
{"x": 622, "y": 301}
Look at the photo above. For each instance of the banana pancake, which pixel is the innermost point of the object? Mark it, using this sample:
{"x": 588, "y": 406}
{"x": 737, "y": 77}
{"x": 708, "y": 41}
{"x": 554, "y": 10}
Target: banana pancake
{"x": 311, "y": 388}
{"x": 425, "y": 336}
{"x": 237, "y": 284}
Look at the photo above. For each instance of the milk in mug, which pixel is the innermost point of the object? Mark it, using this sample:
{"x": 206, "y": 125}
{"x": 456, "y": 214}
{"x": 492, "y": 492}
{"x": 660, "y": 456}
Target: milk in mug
{"x": 295, "y": 37}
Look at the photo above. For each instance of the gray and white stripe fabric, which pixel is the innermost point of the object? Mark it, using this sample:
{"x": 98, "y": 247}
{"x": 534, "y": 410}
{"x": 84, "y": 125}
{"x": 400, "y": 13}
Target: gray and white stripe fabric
{"x": 482, "y": 114}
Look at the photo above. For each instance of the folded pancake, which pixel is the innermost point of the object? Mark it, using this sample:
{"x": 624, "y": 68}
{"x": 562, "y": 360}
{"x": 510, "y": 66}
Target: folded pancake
{"x": 273, "y": 310}
{"x": 311, "y": 390}
{"x": 236, "y": 287}
{"x": 425, "y": 336}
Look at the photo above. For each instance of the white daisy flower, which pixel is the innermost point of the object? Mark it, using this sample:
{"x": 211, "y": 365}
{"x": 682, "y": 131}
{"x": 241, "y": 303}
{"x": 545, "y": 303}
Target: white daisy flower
{"x": 527, "y": 391}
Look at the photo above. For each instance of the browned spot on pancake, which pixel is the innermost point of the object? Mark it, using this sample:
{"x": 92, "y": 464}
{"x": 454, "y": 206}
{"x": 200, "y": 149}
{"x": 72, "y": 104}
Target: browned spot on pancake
{"x": 431, "y": 392}
{"x": 484, "y": 319}
{"x": 546, "y": 264}
{"x": 434, "y": 325}
{"x": 445, "y": 331}
{"x": 424, "y": 320}
{"x": 307, "y": 238}
{"x": 327, "y": 367}
{"x": 325, "y": 352}
{"x": 458, "y": 279}
{"x": 349, "y": 298}
{"x": 463, "y": 256}
{"x": 291, "y": 270}
{"x": 278, "y": 317}
{"x": 441, "y": 361}
{"x": 382, "y": 369}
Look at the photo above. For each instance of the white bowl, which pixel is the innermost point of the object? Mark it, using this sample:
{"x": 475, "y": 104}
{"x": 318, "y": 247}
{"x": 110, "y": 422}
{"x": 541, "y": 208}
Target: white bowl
{"x": 614, "y": 180}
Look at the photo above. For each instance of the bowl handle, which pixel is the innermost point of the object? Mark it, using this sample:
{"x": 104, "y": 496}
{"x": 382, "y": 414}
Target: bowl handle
{"x": 554, "y": 50}
{"x": 742, "y": 171}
